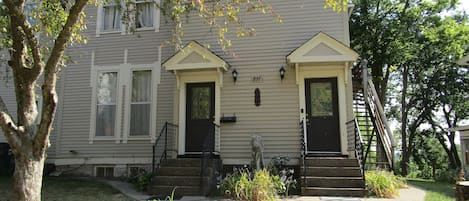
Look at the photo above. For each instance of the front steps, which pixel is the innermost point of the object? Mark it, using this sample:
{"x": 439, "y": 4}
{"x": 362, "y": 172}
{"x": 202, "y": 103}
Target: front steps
{"x": 184, "y": 175}
{"x": 332, "y": 176}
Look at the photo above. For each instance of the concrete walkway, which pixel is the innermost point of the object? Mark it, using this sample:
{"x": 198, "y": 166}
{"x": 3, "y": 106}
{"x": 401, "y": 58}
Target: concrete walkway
{"x": 408, "y": 194}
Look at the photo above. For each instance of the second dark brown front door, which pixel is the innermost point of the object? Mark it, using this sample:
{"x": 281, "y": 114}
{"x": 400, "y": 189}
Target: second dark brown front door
{"x": 322, "y": 115}
{"x": 200, "y": 111}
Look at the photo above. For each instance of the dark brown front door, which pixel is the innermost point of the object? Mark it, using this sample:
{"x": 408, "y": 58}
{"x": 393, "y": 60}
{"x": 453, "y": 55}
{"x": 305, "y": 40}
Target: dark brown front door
{"x": 322, "y": 115}
{"x": 200, "y": 111}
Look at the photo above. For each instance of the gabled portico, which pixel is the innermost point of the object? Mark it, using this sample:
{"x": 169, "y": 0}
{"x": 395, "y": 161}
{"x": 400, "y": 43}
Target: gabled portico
{"x": 199, "y": 77}
{"x": 323, "y": 75}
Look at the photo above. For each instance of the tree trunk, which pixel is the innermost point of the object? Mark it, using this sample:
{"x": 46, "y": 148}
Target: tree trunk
{"x": 27, "y": 179}
{"x": 405, "y": 154}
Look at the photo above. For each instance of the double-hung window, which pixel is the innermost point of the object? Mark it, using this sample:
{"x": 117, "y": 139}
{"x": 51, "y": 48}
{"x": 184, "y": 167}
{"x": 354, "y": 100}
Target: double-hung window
{"x": 138, "y": 15}
{"x": 124, "y": 102}
{"x": 144, "y": 14}
{"x": 106, "y": 103}
{"x": 140, "y": 104}
{"x": 111, "y": 17}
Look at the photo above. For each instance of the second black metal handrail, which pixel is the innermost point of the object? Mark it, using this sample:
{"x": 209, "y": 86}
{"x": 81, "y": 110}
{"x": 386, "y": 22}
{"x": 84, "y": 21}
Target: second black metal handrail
{"x": 164, "y": 155}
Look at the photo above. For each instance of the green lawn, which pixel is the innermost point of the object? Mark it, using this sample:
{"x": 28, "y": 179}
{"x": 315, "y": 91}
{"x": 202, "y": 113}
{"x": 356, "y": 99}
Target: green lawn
{"x": 435, "y": 191}
{"x": 69, "y": 189}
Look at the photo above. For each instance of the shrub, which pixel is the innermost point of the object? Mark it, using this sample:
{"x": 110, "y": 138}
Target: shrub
{"x": 260, "y": 186}
{"x": 287, "y": 181}
{"x": 141, "y": 180}
{"x": 383, "y": 184}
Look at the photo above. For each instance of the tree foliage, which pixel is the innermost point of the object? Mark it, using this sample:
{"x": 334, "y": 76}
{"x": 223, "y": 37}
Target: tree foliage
{"x": 414, "y": 46}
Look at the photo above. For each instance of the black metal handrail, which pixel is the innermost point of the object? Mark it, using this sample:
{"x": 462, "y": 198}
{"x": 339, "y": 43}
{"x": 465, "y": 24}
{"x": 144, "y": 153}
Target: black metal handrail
{"x": 303, "y": 146}
{"x": 167, "y": 128}
{"x": 208, "y": 152}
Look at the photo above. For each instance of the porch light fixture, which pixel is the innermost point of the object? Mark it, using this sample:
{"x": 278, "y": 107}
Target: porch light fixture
{"x": 235, "y": 74}
{"x": 282, "y": 72}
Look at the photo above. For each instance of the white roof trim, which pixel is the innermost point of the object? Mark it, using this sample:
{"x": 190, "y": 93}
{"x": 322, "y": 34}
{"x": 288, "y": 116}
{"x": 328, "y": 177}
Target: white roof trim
{"x": 210, "y": 60}
{"x": 464, "y": 61}
{"x": 303, "y": 53}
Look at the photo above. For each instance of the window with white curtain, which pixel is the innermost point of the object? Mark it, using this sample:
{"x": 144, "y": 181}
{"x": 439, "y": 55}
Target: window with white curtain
{"x": 144, "y": 15}
{"x": 140, "y": 105}
{"x": 111, "y": 17}
{"x": 106, "y": 99}
{"x": 123, "y": 102}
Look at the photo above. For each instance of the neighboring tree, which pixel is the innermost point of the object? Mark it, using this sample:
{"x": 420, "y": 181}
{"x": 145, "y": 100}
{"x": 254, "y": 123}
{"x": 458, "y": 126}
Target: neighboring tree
{"x": 36, "y": 37}
{"x": 408, "y": 38}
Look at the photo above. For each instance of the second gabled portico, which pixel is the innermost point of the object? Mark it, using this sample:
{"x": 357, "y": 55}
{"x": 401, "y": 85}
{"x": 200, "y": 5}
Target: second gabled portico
{"x": 199, "y": 77}
{"x": 323, "y": 75}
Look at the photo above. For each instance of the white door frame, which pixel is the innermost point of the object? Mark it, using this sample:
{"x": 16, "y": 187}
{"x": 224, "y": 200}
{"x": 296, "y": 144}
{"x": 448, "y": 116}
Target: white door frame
{"x": 306, "y": 71}
{"x": 195, "y": 77}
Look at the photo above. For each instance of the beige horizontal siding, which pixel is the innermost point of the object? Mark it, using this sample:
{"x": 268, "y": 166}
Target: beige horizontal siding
{"x": 277, "y": 118}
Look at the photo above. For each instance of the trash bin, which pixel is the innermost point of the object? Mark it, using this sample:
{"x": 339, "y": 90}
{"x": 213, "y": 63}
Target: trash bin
{"x": 6, "y": 160}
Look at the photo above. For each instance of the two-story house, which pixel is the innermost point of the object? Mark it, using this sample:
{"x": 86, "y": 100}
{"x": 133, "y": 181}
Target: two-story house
{"x": 127, "y": 100}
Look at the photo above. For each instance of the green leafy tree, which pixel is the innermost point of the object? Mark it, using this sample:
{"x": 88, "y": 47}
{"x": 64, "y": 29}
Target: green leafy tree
{"x": 36, "y": 38}
{"x": 399, "y": 37}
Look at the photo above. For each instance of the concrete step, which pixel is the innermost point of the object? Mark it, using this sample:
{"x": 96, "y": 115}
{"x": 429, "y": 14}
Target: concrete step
{"x": 334, "y": 182}
{"x": 188, "y": 162}
{"x": 331, "y": 162}
{"x": 181, "y": 162}
{"x": 180, "y": 171}
{"x": 321, "y": 191}
{"x": 180, "y": 180}
{"x": 331, "y": 171}
{"x": 178, "y": 190}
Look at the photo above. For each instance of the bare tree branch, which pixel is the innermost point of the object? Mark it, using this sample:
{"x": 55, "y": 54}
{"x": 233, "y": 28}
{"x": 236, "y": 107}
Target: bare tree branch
{"x": 18, "y": 37}
{"x": 19, "y": 17}
{"x": 41, "y": 141}
{"x": 8, "y": 125}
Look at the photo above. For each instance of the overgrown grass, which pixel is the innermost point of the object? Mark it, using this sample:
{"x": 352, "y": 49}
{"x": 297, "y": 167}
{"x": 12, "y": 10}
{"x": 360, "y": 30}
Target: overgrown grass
{"x": 69, "y": 189}
{"x": 435, "y": 191}
{"x": 383, "y": 184}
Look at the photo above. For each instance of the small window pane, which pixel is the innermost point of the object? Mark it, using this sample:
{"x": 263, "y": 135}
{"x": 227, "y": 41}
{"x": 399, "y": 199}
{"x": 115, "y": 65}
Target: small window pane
{"x": 144, "y": 15}
{"x": 111, "y": 18}
{"x": 105, "y": 120}
{"x": 321, "y": 99}
{"x": 107, "y": 88}
{"x": 200, "y": 103}
{"x": 141, "y": 86}
{"x": 140, "y": 119}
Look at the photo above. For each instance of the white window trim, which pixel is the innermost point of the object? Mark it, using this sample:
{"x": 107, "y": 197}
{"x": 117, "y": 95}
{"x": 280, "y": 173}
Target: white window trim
{"x": 154, "y": 89}
{"x": 156, "y": 16}
{"x": 122, "y": 125}
{"x": 99, "y": 21}
{"x": 95, "y": 71}
{"x": 156, "y": 20}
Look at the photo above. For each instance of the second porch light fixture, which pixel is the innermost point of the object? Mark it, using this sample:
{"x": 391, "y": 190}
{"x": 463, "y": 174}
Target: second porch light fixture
{"x": 282, "y": 72}
{"x": 235, "y": 75}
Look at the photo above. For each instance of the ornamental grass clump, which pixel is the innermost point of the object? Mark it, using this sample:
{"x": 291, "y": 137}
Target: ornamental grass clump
{"x": 383, "y": 184}
{"x": 245, "y": 186}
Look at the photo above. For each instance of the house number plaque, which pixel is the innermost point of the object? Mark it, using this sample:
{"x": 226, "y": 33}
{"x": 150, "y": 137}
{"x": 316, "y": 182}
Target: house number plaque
{"x": 257, "y": 78}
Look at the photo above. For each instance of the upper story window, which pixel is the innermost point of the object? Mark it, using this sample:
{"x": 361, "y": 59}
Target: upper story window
{"x": 145, "y": 14}
{"x": 141, "y": 15}
{"x": 111, "y": 17}
{"x": 28, "y": 10}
